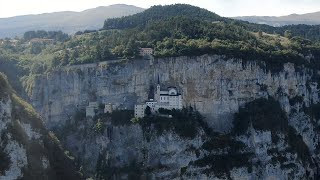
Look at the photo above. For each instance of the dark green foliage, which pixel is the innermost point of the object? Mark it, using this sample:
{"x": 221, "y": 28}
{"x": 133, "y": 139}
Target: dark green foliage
{"x": 62, "y": 167}
{"x": 185, "y": 123}
{"x": 85, "y": 32}
{"x": 310, "y": 32}
{"x": 5, "y": 161}
{"x": 147, "y": 111}
{"x": 47, "y": 146}
{"x": 267, "y": 115}
{"x": 288, "y": 166}
{"x": 287, "y": 34}
{"x": 117, "y": 118}
{"x": 4, "y": 87}
{"x": 295, "y": 100}
{"x": 101, "y": 107}
{"x": 221, "y": 142}
{"x": 222, "y": 164}
{"x": 173, "y": 35}
{"x": 235, "y": 155}
{"x": 279, "y": 158}
{"x": 121, "y": 117}
{"x": 99, "y": 127}
{"x": 170, "y": 34}
{"x": 9, "y": 66}
{"x": 183, "y": 170}
{"x": 263, "y": 114}
{"x": 36, "y": 48}
{"x": 80, "y": 115}
{"x": 71, "y": 125}
{"x": 263, "y": 87}
{"x": 175, "y": 30}
{"x": 299, "y": 146}
{"x": 157, "y": 13}
{"x": 164, "y": 111}
{"x": 104, "y": 170}
{"x": 313, "y": 111}
{"x": 56, "y": 35}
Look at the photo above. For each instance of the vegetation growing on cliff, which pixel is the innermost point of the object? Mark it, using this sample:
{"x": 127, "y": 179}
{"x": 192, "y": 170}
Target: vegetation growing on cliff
{"x": 117, "y": 117}
{"x": 61, "y": 166}
{"x": 313, "y": 111}
{"x": 187, "y": 123}
{"x": 262, "y": 114}
{"x": 104, "y": 170}
{"x": 5, "y": 160}
{"x": 4, "y": 87}
{"x": 157, "y": 13}
{"x": 41, "y": 146}
{"x": 175, "y": 30}
{"x": 41, "y": 34}
{"x": 221, "y": 165}
{"x": 299, "y": 146}
{"x": 267, "y": 115}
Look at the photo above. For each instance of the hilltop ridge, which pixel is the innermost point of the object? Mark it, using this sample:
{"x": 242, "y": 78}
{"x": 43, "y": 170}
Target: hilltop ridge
{"x": 177, "y": 30}
{"x": 159, "y": 12}
{"x": 277, "y": 21}
{"x": 67, "y": 21}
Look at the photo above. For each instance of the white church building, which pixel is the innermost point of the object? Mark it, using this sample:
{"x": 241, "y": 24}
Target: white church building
{"x": 168, "y": 98}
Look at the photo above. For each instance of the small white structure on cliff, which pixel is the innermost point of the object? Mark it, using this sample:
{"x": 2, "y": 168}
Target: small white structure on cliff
{"x": 164, "y": 98}
{"x": 91, "y": 109}
{"x": 168, "y": 98}
{"x": 146, "y": 51}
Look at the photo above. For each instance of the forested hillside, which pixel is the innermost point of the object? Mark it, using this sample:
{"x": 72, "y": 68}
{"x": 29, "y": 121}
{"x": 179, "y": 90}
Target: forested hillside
{"x": 157, "y": 13}
{"x": 310, "y": 32}
{"x": 174, "y": 30}
{"x": 235, "y": 73}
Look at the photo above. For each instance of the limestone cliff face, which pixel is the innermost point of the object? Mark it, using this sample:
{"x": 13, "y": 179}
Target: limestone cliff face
{"x": 27, "y": 150}
{"x": 121, "y": 150}
{"x": 133, "y": 151}
{"x": 216, "y": 86}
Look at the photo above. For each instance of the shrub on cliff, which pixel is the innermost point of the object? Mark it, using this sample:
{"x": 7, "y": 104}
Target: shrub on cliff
{"x": 221, "y": 165}
{"x": 313, "y": 111}
{"x": 298, "y": 145}
{"x": 186, "y": 123}
{"x": 263, "y": 114}
{"x": 4, "y": 87}
{"x": 99, "y": 127}
{"x": 5, "y": 161}
{"x": 117, "y": 117}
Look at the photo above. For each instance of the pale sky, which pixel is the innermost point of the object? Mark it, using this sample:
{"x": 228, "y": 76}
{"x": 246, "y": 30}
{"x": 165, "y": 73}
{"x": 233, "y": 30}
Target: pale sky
{"x": 226, "y": 8}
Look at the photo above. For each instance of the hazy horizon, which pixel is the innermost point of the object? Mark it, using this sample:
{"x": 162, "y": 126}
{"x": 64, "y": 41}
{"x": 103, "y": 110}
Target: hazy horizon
{"x": 225, "y": 8}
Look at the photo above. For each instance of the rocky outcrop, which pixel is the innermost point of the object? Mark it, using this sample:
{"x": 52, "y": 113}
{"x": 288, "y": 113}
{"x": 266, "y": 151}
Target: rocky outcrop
{"x": 134, "y": 151}
{"x": 27, "y": 150}
{"x": 216, "y": 86}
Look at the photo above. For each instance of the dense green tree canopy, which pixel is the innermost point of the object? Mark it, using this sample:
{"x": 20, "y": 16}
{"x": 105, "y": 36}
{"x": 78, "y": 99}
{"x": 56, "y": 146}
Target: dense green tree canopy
{"x": 157, "y": 13}
{"x": 56, "y": 35}
{"x": 175, "y": 30}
